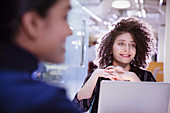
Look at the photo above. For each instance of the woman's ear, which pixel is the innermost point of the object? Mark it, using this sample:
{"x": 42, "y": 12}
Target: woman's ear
{"x": 31, "y": 23}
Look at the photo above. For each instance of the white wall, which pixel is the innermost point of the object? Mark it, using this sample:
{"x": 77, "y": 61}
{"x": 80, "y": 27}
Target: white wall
{"x": 167, "y": 47}
{"x": 161, "y": 43}
{"x": 167, "y": 44}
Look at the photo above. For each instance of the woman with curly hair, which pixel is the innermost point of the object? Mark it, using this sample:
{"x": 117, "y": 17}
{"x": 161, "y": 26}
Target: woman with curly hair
{"x": 122, "y": 56}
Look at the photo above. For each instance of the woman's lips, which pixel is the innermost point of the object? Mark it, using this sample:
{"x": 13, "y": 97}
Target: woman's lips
{"x": 125, "y": 55}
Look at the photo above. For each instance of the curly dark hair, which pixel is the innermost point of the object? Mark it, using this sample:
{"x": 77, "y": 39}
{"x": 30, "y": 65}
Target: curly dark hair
{"x": 140, "y": 31}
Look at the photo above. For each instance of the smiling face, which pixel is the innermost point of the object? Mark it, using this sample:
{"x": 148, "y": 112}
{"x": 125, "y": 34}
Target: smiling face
{"x": 124, "y": 49}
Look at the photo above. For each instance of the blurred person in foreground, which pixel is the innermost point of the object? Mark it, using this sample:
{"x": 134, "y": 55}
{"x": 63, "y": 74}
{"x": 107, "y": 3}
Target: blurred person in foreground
{"x": 32, "y": 31}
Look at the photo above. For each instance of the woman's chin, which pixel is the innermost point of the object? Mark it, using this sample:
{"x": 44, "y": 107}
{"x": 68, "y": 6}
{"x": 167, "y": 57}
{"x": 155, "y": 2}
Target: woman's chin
{"x": 56, "y": 60}
{"x": 60, "y": 60}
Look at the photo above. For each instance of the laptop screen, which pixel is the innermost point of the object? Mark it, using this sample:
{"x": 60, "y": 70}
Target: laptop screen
{"x": 133, "y": 97}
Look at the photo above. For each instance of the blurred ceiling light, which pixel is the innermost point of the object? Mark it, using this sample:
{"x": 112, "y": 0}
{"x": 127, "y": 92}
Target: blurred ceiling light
{"x": 92, "y": 14}
{"x": 89, "y": 12}
{"x": 121, "y": 4}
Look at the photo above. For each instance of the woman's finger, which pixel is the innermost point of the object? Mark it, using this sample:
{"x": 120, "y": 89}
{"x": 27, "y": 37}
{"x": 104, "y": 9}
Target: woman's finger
{"x": 119, "y": 69}
{"x": 113, "y": 76}
{"x": 110, "y": 67}
{"x": 110, "y": 71}
{"x": 117, "y": 76}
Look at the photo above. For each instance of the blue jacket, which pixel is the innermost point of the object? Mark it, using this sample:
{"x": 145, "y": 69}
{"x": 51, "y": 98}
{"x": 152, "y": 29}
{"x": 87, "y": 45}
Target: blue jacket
{"x": 19, "y": 93}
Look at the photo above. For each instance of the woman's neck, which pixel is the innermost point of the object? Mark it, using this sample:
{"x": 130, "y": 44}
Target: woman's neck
{"x": 126, "y": 67}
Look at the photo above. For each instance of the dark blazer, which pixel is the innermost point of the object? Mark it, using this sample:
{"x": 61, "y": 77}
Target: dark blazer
{"x": 19, "y": 93}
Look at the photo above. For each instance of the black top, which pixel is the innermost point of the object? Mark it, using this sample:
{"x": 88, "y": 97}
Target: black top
{"x": 15, "y": 58}
{"x": 19, "y": 93}
{"x": 92, "y": 103}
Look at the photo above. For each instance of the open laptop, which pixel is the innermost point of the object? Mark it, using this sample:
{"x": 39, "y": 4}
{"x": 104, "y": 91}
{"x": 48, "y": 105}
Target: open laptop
{"x": 133, "y": 97}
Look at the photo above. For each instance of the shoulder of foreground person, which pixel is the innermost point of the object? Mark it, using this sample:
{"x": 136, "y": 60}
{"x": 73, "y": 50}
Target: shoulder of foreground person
{"x": 20, "y": 94}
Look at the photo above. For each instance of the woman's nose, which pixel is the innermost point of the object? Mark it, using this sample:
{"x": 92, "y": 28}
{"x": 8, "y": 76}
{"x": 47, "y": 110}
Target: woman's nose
{"x": 127, "y": 48}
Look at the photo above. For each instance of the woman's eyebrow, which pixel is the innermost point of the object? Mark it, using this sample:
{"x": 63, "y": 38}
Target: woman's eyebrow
{"x": 124, "y": 40}
{"x": 120, "y": 40}
{"x": 133, "y": 41}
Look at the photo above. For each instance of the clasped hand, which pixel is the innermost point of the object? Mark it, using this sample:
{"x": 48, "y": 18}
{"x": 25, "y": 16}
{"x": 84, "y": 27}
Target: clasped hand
{"x": 116, "y": 74}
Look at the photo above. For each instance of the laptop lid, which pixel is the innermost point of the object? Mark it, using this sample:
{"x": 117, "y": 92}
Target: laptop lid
{"x": 133, "y": 97}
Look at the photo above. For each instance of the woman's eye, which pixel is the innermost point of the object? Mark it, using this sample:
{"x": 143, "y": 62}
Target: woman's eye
{"x": 132, "y": 45}
{"x": 121, "y": 43}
